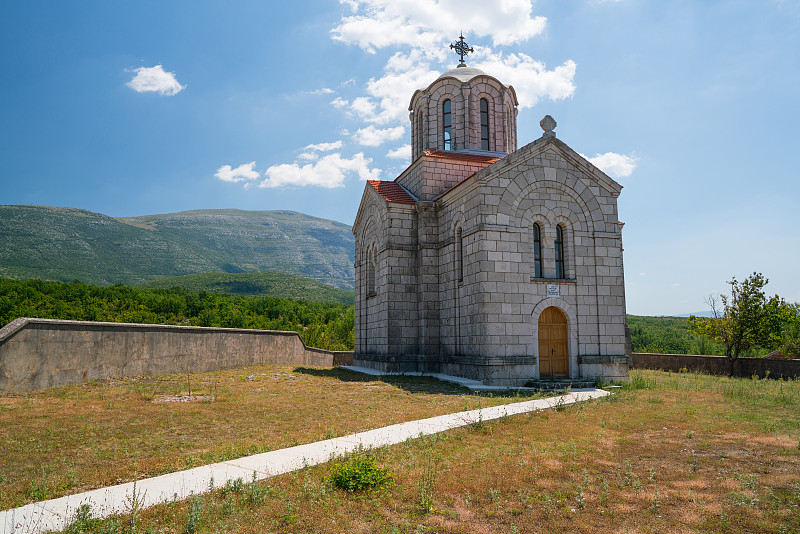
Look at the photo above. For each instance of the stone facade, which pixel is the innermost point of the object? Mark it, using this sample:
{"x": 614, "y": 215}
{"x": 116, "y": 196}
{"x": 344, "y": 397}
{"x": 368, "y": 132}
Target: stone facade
{"x": 447, "y": 253}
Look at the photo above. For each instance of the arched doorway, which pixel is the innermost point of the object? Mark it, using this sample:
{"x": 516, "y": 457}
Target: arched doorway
{"x": 553, "y": 353}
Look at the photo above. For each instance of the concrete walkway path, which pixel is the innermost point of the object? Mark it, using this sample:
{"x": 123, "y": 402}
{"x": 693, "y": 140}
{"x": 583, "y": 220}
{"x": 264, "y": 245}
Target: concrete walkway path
{"x": 56, "y": 514}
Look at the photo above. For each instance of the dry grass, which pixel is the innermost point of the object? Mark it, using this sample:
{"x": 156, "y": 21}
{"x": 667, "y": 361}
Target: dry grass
{"x": 685, "y": 453}
{"x": 71, "y": 439}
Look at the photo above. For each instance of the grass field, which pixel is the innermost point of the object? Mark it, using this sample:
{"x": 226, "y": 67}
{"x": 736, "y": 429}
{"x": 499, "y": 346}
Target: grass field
{"x": 70, "y": 439}
{"x": 669, "y": 453}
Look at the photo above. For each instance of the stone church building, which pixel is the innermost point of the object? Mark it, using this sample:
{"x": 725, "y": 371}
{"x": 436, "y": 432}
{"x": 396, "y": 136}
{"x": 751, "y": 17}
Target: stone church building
{"x": 486, "y": 261}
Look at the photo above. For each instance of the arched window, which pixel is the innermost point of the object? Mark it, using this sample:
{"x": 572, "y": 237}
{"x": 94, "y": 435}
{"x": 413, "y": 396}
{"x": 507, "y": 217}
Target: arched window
{"x": 371, "y": 273}
{"x": 459, "y": 256}
{"x": 484, "y": 124}
{"x": 560, "y": 272}
{"x": 447, "y": 125}
{"x": 537, "y": 251}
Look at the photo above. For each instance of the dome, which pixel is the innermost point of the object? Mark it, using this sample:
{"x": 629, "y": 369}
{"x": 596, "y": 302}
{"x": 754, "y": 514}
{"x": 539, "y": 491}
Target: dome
{"x": 463, "y": 74}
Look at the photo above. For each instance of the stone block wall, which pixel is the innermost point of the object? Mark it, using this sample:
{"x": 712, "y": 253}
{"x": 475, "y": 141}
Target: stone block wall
{"x": 718, "y": 365}
{"x": 42, "y": 353}
{"x": 430, "y": 176}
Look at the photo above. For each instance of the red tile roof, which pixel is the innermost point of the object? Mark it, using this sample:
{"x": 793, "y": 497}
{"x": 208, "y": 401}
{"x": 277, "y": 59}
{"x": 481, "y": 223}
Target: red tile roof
{"x": 391, "y": 191}
{"x": 463, "y": 156}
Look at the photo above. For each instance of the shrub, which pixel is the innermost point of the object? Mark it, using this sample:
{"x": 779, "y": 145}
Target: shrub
{"x": 359, "y": 474}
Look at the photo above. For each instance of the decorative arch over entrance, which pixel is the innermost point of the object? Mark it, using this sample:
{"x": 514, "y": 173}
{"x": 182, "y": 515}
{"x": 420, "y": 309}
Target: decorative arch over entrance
{"x": 553, "y": 344}
{"x": 571, "y": 318}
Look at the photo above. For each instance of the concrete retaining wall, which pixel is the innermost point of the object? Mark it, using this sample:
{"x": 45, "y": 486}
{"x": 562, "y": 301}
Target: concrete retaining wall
{"x": 718, "y": 365}
{"x": 42, "y": 353}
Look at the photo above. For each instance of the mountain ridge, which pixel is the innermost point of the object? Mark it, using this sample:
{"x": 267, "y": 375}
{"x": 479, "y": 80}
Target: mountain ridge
{"x": 59, "y": 243}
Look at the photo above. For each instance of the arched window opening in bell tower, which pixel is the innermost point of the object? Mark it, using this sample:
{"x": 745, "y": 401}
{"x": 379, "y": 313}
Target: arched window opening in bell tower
{"x": 447, "y": 125}
{"x": 484, "y": 124}
{"x": 560, "y": 272}
{"x": 420, "y": 134}
{"x": 537, "y": 251}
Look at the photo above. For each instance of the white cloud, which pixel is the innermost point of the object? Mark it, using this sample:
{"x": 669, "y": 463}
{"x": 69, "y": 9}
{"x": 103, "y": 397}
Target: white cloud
{"x": 388, "y": 96}
{"x": 312, "y": 155}
{"x": 363, "y": 106}
{"x": 311, "y": 150}
{"x": 155, "y": 80}
{"x": 329, "y": 171}
{"x": 241, "y": 173}
{"x": 613, "y": 164}
{"x": 419, "y": 30}
{"x": 424, "y": 24}
{"x": 325, "y": 147}
{"x": 372, "y": 136}
{"x": 403, "y": 152}
{"x": 322, "y": 91}
{"x": 530, "y": 78}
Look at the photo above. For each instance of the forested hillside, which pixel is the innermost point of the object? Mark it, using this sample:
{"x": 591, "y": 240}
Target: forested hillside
{"x": 287, "y": 286}
{"x": 71, "y": 244}
{"x": 321, "y": 325}
{"x": 669, "y": 335}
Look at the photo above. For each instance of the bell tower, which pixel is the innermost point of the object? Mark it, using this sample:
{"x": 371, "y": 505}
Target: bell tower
{"x": 464, "y": 110}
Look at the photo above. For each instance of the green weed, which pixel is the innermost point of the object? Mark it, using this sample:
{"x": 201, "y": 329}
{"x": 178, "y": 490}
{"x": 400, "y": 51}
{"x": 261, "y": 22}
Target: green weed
{"x": 255, "y": 493}
{"x": 134, "y": 503}
{"x": 194, "y": 517}
{"x": 359, "y": 473}
{"x": 638, "y": 381}
{"x": 83, "y": 521}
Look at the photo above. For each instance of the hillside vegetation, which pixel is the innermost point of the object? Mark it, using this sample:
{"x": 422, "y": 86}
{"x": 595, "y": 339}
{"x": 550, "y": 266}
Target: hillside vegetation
{"x": 322, "y": 315}
{"x": 280, "y": 285}
{"x": 321, "y": 325}
{"x": 72, "y": 244}
{"x": 669, "y": 335}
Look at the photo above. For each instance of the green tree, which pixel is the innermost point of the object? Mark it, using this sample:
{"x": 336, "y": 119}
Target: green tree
{"x": 790, "y": 337}
{"x": 743, "y": 319}
{"x": 325, "y": 325}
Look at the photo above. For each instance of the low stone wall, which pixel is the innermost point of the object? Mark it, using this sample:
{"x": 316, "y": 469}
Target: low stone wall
{"x": 42, "y": 353}
{"x": 718, "y": 365}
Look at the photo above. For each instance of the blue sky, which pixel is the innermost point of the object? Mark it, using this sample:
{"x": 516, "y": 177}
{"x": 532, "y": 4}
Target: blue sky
{"x": 153, "y": 107}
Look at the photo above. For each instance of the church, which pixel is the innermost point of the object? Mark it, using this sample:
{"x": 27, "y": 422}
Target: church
{"x": 485, "y": 261}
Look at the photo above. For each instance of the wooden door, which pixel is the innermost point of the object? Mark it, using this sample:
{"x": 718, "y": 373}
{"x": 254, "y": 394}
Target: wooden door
{"x": 553, "y": 354}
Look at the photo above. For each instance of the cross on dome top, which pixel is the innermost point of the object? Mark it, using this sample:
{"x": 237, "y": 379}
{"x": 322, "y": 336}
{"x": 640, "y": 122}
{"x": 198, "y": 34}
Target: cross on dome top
{"x": 461, "y": 49}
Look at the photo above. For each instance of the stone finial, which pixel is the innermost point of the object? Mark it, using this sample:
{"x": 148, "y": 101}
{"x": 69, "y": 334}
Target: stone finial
{"x": 548, "y": 124}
